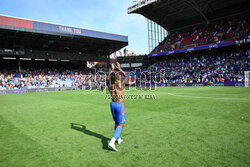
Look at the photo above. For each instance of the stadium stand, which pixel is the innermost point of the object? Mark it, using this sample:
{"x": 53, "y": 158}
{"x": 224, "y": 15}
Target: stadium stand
{"x": 228, "y": 29}
{"x": 49, "y": 78}
{"x": 207, "y": 42}
{"x": 228, "y": 66}
{"x": 38, "y": 55}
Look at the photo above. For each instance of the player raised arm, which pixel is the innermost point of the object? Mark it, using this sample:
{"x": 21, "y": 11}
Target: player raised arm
{"x": 108, "y": 78}
{"x": 118, "y": 66}
{"x": 112, "y": 70}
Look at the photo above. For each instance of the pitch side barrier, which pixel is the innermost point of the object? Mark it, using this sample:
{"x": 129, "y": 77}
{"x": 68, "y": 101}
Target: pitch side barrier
{"x": 236, "y": 84}
{"x": 194, "y": 84}
{"x": 35, "y": 90}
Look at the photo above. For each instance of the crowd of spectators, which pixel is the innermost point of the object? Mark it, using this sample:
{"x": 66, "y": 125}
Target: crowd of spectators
{"x": 49, "y": 78}
{"x": 229, "y": 29}
{"x": 213, "y": 67}
{"x": 208, "y": 67}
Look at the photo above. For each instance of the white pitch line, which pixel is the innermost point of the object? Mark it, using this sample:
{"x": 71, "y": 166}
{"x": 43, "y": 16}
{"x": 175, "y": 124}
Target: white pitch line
{"x": 199, "y": 97}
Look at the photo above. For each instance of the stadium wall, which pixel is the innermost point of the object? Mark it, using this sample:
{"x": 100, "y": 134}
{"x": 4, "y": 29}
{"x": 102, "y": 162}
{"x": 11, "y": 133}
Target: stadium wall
{"x": 203, "y": 47}
{"x": 34, "y": 90}
{"x": 234, "y": 84}
{"x": 221, "y": 84}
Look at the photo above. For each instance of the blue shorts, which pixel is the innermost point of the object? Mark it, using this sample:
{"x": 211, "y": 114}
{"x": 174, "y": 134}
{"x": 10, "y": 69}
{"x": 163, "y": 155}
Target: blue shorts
{"x": 118, "y": 112}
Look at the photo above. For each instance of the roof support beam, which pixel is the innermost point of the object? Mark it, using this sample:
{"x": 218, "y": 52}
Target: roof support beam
{"x": 193, "y": 4}
{"x": 170, "y": 14}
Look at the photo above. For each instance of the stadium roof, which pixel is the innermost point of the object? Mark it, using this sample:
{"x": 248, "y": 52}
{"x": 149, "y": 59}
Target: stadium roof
{"x": 178, "y": 14}
{"x": 33, "y": 34}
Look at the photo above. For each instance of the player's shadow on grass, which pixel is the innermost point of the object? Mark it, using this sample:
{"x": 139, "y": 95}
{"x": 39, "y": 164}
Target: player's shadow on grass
{"x": 83, "y": 129}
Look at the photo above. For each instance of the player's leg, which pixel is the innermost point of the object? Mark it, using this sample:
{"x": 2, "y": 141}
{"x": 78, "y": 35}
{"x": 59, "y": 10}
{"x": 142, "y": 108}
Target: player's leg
{"x": 120, "y": 119}
{"x": 112, "y": 141}
{"x": 119, "y": 140}
{"x": 120, "y": 111}
{"x": 116, "y": 124}
{"x": 112, "y": 108}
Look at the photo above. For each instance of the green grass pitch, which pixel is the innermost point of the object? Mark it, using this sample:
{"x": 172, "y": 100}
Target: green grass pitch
{"x": 183, "y": 126}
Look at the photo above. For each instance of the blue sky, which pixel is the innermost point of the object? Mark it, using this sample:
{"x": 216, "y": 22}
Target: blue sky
{"x": 103, "y": 15}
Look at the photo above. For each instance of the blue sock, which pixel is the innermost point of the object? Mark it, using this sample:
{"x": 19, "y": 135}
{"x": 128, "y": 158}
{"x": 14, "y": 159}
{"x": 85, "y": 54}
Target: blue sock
{"x": 117, "y": 132}
{"x": 116, "y": 126}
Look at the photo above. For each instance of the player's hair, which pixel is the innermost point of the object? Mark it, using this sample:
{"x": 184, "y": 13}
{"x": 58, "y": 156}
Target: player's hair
{"x": 113, "y": 77}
